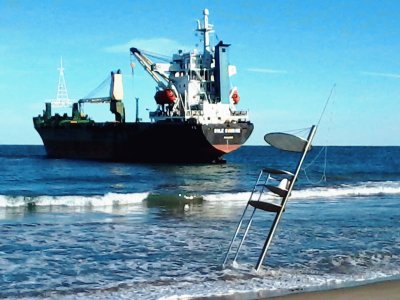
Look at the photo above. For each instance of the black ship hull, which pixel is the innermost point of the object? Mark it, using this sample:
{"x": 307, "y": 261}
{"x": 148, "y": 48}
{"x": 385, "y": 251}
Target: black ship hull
{"x": 142, "y": 141}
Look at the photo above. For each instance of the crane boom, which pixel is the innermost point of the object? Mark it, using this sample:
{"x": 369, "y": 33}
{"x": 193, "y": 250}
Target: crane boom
{"x": 148, "y": 65}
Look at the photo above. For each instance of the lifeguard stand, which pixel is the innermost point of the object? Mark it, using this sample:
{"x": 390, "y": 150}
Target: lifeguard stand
{"x": 267, "y": 176}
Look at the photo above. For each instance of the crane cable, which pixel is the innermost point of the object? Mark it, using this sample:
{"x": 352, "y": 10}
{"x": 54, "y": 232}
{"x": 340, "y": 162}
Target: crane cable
{"x": 106, "y": 81}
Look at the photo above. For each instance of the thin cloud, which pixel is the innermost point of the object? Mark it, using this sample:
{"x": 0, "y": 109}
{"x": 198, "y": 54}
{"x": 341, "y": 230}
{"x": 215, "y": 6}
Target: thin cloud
{"x": 387, "y": 75}
{"x": 158, "y": 45}
{"x": 266, "y": 71}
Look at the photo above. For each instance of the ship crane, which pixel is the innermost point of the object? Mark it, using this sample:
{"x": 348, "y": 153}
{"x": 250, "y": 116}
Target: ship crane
{"x": 167, "y": 92}
{"x": 149, "y": 66}
{"x": 115, "y": 98}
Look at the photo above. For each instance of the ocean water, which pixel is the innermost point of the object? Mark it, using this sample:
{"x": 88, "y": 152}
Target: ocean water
{"x": 75, "y": 229}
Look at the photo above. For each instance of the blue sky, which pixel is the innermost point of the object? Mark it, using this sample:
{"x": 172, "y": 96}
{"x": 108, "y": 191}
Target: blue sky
{"x": 288, "y": 54}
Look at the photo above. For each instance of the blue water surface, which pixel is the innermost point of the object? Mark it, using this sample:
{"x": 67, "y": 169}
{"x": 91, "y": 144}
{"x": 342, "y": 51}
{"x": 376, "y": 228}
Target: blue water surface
{"x": 84, "y": 229}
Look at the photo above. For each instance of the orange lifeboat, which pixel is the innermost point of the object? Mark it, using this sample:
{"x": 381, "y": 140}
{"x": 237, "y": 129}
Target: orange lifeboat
{"x": 235, "y": 97}
{"x": 166, "y": 96}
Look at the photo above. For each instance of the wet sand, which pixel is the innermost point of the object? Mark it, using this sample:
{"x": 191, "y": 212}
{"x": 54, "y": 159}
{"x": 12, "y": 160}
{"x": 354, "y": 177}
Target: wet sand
{"x": 387, "y": 290}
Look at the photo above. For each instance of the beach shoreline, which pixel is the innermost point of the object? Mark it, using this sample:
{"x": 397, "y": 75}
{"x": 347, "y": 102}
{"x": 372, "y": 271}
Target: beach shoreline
{"x": 388, "y": 290}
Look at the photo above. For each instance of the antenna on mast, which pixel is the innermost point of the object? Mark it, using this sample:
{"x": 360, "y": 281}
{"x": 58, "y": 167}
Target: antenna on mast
{"x": 62, "y": 99}
{"x": 206, "y": 28}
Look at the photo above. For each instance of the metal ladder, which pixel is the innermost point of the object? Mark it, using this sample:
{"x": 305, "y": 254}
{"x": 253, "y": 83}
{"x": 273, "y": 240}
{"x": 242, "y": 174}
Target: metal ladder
{"x": 283, "y": 190}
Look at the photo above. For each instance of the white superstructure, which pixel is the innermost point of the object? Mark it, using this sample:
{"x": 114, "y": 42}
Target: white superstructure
{"x": 195, "y": 85}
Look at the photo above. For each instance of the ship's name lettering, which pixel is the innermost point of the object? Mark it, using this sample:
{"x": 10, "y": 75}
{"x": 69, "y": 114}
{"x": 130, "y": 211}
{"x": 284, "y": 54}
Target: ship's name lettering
{"x": 226, "y": 130}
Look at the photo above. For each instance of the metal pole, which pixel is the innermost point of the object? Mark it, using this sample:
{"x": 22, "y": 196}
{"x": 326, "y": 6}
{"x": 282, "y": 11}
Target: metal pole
{"x": 137, "y": 110}
{"x": 279, "y": 214}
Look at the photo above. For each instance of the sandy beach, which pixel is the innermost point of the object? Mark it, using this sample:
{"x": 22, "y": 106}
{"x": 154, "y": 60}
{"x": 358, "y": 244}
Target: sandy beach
{"x": 387, "y": 290}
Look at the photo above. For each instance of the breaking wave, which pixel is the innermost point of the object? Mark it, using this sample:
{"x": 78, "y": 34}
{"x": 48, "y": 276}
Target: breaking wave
{"x": 98, "y": 200}
{"x": 343, "y": 191}
{"x": 365, "y": 189}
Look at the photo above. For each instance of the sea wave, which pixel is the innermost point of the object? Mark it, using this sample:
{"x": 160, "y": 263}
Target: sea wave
{"x": 108, "y": 199}
{"x": 365, "y": 189}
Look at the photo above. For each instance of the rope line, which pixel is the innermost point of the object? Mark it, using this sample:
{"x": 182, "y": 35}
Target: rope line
{"x": 299, "y": 130}
{"x": 326, "y": 104}
{"x": 323, "y": 149}
{"x": 323, "y": 176}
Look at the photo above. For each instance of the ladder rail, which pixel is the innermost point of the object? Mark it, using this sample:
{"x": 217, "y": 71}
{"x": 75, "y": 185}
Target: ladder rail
{"x": 284, "y": 201}
{"x": 250, "y": 221}
{"x": 251, "y": 216}
{"x": 241, "y": 219}
{"x": 245, "y": 234}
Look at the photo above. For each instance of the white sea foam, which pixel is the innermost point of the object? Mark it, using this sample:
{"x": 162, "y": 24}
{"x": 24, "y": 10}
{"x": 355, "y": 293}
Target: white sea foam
{"x": 108, "y": 199}
{"x": 364, "y": 189}
{"x": 242, "y": 196}
{"x": 358, "y": 190}
{"x": 271, "y": 284}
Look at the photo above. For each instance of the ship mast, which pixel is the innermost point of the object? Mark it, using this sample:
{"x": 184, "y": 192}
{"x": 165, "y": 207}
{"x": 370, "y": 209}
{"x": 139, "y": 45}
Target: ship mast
{"x": 62, "y": 99}
{"x": 206, "y": 30}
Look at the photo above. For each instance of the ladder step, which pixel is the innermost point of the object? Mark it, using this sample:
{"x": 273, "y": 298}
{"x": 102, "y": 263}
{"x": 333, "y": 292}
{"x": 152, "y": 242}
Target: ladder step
{"x": 277, "y": 190}
{"x": 265, "y": 206}
{"x": 277, "y": 171}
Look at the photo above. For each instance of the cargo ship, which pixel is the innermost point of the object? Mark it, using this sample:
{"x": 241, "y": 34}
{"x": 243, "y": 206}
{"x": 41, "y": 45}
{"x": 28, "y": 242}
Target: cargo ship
{"x": 196, "y": 119}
